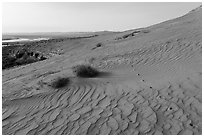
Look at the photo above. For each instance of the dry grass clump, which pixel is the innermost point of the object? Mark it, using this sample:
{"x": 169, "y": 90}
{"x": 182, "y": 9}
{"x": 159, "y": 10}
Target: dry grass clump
{"x": 60, "y": 82}
{"x": 85, "y": 71}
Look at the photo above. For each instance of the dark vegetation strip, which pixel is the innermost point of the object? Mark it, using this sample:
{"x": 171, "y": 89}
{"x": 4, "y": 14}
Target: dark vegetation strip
{"x": 15, "y": 56}
{"x": 21, "y": 53}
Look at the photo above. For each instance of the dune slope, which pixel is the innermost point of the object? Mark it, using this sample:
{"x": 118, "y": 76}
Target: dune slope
{"x": 153, "y": 85}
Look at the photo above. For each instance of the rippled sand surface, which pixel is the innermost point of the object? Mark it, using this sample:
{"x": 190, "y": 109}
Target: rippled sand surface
{"x": 153, "y": 86}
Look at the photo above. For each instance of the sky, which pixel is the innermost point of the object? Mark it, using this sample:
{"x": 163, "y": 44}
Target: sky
{"x": 83, "y": 17}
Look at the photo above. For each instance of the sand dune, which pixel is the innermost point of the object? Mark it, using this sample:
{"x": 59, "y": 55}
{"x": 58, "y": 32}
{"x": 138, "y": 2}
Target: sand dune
{"x": 154, "y": 86}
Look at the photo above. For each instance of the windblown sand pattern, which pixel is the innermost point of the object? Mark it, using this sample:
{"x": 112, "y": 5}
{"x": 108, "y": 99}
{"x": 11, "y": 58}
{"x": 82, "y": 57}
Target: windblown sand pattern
{"x": 97, "y": 106}
{"x": 156, "y": 89}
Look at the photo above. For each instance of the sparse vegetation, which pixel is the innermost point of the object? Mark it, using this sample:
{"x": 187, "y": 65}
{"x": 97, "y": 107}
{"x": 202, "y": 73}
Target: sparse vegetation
{"x": 85, "y": 71}
{"x": 99, "y": 45}
{"x": 19, "y": 56}
{"x": 60, "y": 82}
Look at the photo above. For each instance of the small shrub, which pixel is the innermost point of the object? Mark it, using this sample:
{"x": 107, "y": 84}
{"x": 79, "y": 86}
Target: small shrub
{"x": 42, "y": 58}
{"x": 36, "y": 55}
{"x": 19, "y": 54}
{"x": 85, "y": 71}
{"x": 99, "y": 45}
{"x": 28, "y": 53}
{"x": 60, "y": 82}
